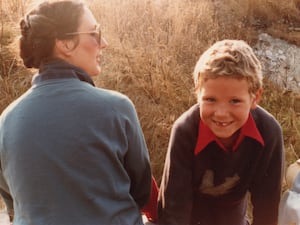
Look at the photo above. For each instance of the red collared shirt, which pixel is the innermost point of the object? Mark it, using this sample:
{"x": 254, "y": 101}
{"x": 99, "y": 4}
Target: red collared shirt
{"x": 205, "y": 135}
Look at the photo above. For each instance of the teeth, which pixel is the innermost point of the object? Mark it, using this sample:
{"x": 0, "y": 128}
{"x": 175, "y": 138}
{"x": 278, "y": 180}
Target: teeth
{"x": 222, "y": 124}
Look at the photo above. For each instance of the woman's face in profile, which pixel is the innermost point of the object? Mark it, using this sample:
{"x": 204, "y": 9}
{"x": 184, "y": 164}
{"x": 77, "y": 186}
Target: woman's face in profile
{"x": 88, "y": 52}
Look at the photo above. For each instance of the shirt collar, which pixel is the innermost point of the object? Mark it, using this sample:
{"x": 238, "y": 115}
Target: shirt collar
{"x": 206, "y": 136}
{"x": 58, "y": 69}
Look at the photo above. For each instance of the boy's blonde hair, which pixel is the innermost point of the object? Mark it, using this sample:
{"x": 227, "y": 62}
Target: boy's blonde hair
{"x": 229, "y": 58}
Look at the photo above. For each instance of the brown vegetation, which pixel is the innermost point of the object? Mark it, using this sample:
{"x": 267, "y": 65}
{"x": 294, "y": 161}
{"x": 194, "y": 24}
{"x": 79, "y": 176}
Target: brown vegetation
{"x": 155, "y": 44}
{"x": 153, "y": 48}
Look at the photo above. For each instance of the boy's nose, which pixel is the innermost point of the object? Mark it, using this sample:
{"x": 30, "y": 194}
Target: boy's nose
{"x": 221, "y": 111}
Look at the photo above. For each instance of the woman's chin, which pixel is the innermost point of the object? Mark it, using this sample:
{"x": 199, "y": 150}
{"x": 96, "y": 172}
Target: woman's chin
{"x": 95, "y": 72}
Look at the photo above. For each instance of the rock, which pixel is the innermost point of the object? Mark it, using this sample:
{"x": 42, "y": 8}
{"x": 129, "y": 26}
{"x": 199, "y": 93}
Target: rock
{"x": 280, "y": 61}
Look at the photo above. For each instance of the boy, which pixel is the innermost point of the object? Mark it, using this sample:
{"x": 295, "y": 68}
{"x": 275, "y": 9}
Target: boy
{"x": 223, "y": 147}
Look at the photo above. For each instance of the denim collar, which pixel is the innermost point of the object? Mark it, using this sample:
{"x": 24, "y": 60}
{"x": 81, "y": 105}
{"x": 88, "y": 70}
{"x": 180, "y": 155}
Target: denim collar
{"x": 60, "y": 69}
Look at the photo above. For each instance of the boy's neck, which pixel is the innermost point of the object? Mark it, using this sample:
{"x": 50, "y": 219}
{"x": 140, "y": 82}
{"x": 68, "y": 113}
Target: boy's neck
{"x": 228, "y": 143}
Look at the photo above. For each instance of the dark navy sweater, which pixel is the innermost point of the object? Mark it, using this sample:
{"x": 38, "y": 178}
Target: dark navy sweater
{"x": 253, "y": 168}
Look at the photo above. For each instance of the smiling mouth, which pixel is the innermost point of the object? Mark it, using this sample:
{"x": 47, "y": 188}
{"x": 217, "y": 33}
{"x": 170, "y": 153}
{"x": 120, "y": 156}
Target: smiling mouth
{"x": 222, "y": 124}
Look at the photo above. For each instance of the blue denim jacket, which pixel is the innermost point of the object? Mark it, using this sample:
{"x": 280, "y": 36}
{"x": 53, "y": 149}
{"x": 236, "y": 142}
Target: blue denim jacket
{"x": 72, "y": 154}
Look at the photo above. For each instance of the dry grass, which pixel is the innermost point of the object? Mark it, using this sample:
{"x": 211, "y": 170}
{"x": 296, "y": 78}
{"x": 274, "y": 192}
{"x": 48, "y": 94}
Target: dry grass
{"x": 153, "y": 48}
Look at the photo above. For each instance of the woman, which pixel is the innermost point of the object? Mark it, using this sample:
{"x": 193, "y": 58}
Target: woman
{"x": 70, "y": 153}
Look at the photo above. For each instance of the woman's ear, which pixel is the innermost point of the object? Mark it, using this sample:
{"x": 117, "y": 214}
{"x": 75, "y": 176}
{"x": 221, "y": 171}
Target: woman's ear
{"x": 64, "y": 47}
{"x": 257, "y": 97}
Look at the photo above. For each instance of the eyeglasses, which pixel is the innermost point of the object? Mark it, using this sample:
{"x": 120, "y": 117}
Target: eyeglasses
{"x": 95, "y": 34}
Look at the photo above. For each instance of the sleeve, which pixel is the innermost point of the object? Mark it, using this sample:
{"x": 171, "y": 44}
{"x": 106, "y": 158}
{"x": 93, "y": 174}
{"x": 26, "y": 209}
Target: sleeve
{"x": 289, "y": 208}
{"x": 5, "y": 193}
{"x": 175, "y": 200}
{"x": 266, "y": 190}
{"x": 150, "y": 209}
{"x": 136, "y": 161}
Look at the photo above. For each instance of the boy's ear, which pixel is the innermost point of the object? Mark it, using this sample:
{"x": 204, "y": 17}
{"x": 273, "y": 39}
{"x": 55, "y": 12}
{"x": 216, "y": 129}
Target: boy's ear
{"x": 257, "y": 98}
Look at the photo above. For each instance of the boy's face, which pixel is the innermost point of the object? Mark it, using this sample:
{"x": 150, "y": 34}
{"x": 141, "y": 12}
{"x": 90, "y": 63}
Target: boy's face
{"x": 225, "y": 104}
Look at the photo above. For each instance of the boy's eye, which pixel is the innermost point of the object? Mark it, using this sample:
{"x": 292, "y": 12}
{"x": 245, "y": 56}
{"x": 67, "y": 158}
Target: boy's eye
{"x": 235, "y": 101}
{"x": 209, "y": 99}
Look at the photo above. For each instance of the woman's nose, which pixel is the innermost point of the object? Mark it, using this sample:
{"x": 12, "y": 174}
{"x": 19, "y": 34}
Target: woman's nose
{"x": 103, "y": 43}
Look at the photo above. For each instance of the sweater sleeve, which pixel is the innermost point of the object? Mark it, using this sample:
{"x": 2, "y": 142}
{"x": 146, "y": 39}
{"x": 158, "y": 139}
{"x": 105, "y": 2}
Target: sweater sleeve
{"x": 136, "y": 161}
{"x": 4, "y": 190}
{"x": 150, "y": 209}
{"x": 266, "y": 190}
{"x": 176, "y": 191}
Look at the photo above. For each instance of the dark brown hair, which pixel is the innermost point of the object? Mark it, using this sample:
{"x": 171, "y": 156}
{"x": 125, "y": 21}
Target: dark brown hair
{"x": 43, "y": 25}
